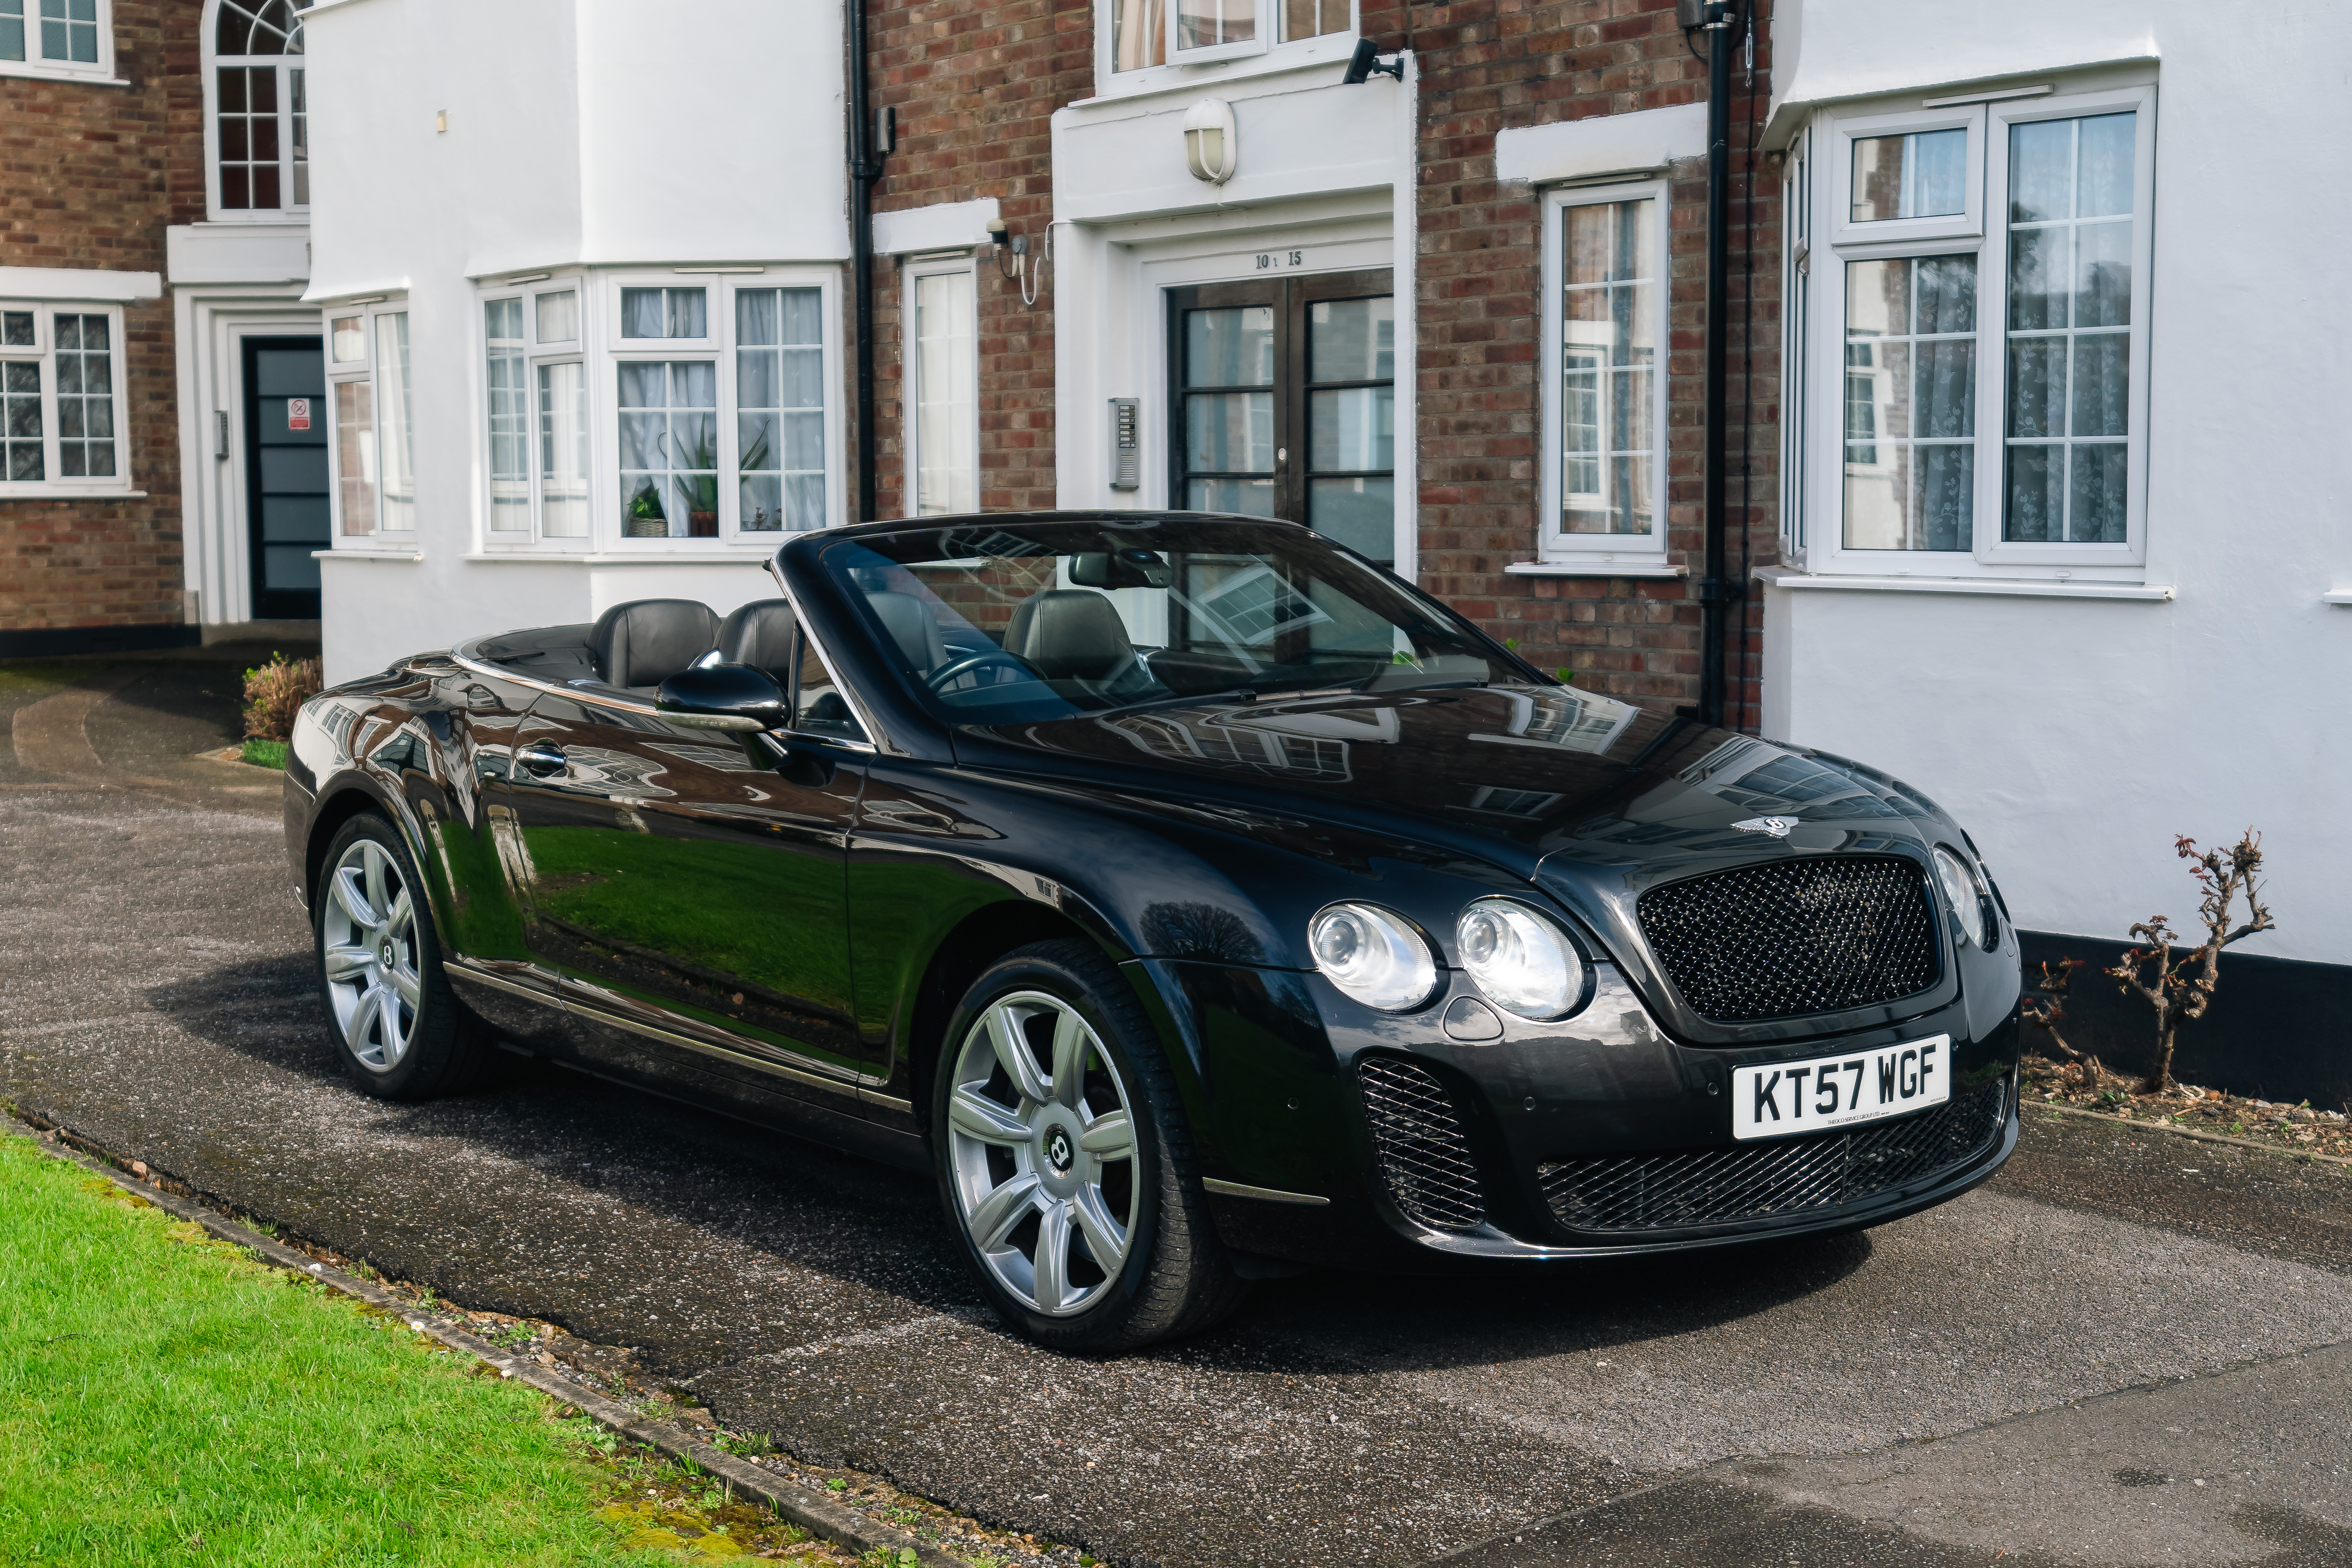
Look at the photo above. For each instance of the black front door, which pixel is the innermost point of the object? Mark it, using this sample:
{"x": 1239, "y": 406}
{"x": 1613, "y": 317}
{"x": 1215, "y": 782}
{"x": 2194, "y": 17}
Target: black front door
{"x": 1284, "y": 402}
{"x": 286, "y": 483}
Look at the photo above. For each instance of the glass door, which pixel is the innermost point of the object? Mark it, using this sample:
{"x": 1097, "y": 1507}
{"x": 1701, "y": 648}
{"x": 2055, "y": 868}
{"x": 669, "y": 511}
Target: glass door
{"x": 286, "y": 474}
{"x": 1284, "y": 397}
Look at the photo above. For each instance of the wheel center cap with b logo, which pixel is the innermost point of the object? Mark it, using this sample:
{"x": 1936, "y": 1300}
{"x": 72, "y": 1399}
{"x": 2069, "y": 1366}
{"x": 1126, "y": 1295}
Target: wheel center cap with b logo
{"x": 1058, "y": 1151}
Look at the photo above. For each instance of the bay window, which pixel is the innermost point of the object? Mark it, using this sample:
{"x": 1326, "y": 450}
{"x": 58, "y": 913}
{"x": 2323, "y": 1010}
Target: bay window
{"x": 1984, "y": 298}
{"x": 368, "y": 382}
{"x": 690, "y": 407}
{"x": 62, "y": 406}
{"x": 1605, "y": 291}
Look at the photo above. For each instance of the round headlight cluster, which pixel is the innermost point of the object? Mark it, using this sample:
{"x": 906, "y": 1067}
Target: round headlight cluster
{"x": 1964, "y": 891}
{"x": 1376, "y": 957}
{"x": 1519, "y": 959}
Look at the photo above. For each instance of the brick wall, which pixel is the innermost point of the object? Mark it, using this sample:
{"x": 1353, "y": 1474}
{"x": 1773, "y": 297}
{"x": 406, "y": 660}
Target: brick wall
{"x": 974, "y": 82}
{"x": 89, "y": 176}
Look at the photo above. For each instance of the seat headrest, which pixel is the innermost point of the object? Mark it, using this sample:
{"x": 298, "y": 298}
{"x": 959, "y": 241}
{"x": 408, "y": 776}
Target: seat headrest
{"x": 646, "y": 641}
{"x": 913, "y": 629}
{"x": 1069, "y": 634}
{"x": 759, "y": 633}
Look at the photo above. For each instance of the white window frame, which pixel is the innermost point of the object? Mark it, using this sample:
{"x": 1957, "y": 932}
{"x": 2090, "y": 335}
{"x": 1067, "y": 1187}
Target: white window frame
{"x": 1267, "y": 52}
{"x": 44, "y": 353}
{"x": 286, "y": 211}
{"x": 1821, "y": 534}
{"x": 910, "y": 420}
{"x": 32, "y": 65}
{"x": 380, "y": 534}
{"x": 605, "y": 401}
{"x": 538, "y": 353}
{"x": 1969, "y": 223}
{"x": 1553, "y": 543}
{"x": 1796, "y": 265}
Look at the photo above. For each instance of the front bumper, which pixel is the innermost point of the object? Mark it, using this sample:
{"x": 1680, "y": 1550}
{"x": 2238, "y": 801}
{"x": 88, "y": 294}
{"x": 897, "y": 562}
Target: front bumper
{"x": 1595, "y": 1136}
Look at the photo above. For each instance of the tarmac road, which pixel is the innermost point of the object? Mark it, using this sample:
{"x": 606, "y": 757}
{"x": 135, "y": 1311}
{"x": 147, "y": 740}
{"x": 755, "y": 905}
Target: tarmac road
{"x": 2127, "y": 1349}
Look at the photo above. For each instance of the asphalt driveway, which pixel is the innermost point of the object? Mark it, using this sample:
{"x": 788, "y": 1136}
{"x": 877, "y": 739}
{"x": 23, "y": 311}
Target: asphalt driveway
{"x": 2127, "y": 1349}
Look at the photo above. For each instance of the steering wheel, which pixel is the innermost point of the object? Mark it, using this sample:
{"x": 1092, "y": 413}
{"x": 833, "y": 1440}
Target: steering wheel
{"x": 938, "y": 679}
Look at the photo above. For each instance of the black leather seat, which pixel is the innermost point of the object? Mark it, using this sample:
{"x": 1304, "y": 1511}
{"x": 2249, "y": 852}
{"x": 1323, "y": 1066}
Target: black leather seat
{"x": 914, "y": 631}
{"x": 643, "y": 643}
{"x": 1070, "y": 633}
{"x": 759, "y": 633}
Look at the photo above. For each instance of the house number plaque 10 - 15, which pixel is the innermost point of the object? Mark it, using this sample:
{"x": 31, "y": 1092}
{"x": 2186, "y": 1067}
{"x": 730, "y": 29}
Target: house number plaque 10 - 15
{"x": 1280, "y": 260}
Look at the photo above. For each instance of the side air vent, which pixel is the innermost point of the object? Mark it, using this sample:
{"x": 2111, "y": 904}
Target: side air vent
{"x": 1423, "y": 1155}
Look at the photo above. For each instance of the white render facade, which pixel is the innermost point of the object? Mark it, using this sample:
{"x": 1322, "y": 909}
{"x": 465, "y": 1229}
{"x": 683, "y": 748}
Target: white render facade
{"x": 2158, "y": 644}
{"x": 583, "y": 284}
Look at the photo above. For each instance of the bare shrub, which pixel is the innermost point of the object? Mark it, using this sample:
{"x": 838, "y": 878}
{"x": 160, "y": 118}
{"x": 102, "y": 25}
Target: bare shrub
{"x": 2048, "y": 1010}
{"x": 276, "y": 692}
{"x": 2182, "y": 990}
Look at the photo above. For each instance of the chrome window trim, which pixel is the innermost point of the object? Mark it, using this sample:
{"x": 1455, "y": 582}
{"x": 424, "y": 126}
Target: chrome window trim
{"x": 855, "y": 1085}
{"x": 825, "y": 657}
{"x": 546, "y": 993}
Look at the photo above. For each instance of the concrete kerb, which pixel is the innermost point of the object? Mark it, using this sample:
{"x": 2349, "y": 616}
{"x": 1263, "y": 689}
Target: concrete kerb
{"x": 820, "y": 1515}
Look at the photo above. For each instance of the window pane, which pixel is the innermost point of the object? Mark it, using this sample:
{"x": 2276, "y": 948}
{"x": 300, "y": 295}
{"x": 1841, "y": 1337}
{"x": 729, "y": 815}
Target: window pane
{"x": 1313, "y": 18}
{"x": 1200, "y": 24}
{"x": 2070, "y": 281}
{"x": 17, "y": 329}
{"x": 299, "y": 136}
{"x": 1351, "y": 339}
{"x": 559, "y": 316}
{"x": 20, "y": 421}
{"x": 356, "y": 472}
{"x": 1910, "y": 404}
{"x": 12, "y": 35}
{"x": 1233, "y": 347}
{"x": 1352, "y": 429}
{"x": 350, "y": 334}
{"x": 1138, "y": 34}
{"x": 1921, "y": 175}
{"x": 1359, "y": 513}
{"x": 392, "y": 379}
{"x": 509, "y": 414}
{"x": 780, "y": 460}
{"x": 663, "y": 314}
{"x": 1251, "y": 497}
{"x": 1228, "y": 432}
{"x": 564, "y": 450}
{"x": 1608, "y": 348}
{"x": 84, "y": 395}
{"x": 946, "y": 388}
{"x": 669, "y": 459}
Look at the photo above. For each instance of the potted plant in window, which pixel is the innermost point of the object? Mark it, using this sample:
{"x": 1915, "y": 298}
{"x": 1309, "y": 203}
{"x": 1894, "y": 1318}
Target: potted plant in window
{"x": 643, "y": 516}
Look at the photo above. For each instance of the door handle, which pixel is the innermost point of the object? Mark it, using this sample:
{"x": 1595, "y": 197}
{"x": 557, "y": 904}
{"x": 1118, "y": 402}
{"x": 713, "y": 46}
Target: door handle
{"x": 542, "y": 759}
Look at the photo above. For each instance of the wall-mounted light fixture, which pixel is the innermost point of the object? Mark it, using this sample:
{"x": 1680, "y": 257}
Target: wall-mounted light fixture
{"x": 1213, "y": 147}
{"x": 1012, "y": 261}
{"x": 1367, "y": 64}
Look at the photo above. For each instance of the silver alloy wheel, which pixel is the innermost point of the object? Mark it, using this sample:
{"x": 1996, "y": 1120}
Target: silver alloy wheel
{"x": 1044, "y": 1161}
{"x": 371, "y": 955}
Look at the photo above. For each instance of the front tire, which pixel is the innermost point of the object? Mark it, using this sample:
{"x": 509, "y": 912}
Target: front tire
{"x": 1063, "y": 1163}
{"x": 397, "y": 1030}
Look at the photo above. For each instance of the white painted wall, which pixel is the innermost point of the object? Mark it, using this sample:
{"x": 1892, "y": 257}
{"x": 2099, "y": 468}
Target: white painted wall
{"x": 2075, "y": 738}
{"x": 596, "y": 132}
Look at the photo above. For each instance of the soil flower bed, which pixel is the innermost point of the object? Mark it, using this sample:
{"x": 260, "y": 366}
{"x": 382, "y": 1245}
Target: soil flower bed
{"x": 2302, "y": 1129}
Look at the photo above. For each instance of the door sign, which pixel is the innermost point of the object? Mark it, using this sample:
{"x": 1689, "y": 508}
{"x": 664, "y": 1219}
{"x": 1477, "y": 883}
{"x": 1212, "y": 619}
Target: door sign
{"x": 298, "y": 414}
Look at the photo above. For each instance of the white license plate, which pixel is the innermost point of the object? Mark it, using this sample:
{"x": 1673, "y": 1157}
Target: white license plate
{"x": 1775, "y": 1100}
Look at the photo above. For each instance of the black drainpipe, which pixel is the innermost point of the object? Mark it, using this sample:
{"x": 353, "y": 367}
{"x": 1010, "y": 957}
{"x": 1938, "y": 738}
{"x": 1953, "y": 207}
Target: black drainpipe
{"x": 1724, "y": 21}
{"x": 865, "y": 169}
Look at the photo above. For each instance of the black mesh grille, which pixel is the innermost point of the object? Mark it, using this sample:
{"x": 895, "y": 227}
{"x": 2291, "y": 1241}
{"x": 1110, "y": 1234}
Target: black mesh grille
{"x": 1423, "y": 1151}
{"x": 1794, "y": 937}
{"x": 1780, "y": 1176}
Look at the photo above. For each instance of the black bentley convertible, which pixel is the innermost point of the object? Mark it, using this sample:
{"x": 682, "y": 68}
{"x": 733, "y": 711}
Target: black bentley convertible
{"x": 1197, "y": 900}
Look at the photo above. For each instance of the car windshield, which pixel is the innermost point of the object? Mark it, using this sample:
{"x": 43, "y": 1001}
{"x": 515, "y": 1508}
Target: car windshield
{"x": 1035, "y": 620}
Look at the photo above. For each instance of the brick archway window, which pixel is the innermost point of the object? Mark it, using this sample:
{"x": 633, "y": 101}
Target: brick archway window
{"x": 259, "y": 121}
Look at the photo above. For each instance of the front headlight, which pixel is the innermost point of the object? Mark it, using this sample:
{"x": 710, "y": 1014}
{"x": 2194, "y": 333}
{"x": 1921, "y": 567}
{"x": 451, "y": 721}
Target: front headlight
{"x": 1519, "y": 959}
{"x": 1966, "y": 895}
{"x": 1378, "y": 958}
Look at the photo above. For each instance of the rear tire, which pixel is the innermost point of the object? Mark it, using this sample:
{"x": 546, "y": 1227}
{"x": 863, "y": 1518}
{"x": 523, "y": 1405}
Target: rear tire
{"x": 1064, "y": 1161}
{"x": 398, "y": 1030}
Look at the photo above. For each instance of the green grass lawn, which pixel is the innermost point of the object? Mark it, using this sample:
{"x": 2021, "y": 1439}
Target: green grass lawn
{"x": 264, "y": 753}
{"x": 166, "y": 1399}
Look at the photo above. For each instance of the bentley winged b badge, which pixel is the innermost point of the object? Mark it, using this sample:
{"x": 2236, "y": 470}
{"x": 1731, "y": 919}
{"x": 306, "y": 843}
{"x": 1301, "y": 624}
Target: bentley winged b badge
{"x": 1778, "y": 827}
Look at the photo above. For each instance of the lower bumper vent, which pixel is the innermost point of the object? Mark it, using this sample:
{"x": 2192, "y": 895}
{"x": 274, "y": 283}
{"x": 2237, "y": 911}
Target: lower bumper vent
{"x": 1783, "y": 1176}
{"x": 1423, "y": 1155}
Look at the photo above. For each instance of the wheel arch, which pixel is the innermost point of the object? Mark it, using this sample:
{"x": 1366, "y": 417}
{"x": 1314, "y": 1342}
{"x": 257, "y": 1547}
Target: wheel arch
{"x": 339, "y": 802}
